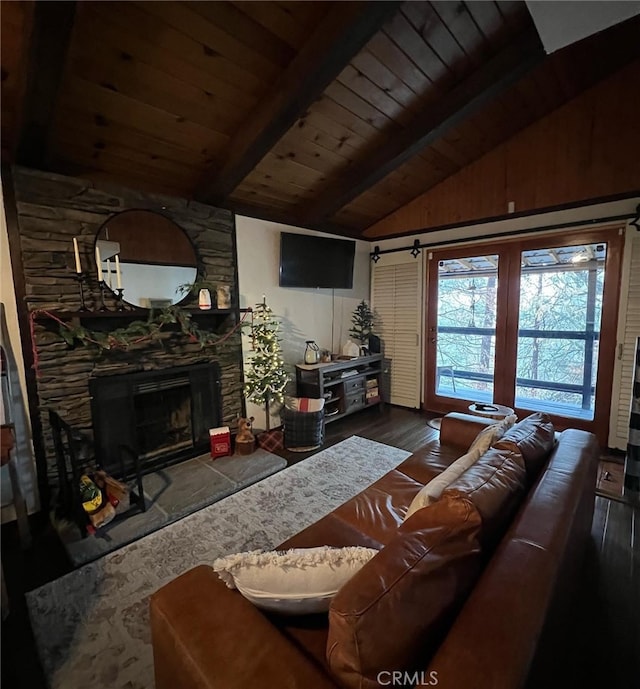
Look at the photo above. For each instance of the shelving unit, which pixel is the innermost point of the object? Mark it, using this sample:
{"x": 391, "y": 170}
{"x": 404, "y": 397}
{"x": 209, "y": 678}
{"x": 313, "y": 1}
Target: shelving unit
{"x": 347, "y": 385}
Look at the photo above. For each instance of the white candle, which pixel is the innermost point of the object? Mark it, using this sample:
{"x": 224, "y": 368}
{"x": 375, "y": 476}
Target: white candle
{"x": 77, "y": 255}
{"x": 99, "y": 263}
{"x": 109, "y": 273}
{"x": 118, "y": 275}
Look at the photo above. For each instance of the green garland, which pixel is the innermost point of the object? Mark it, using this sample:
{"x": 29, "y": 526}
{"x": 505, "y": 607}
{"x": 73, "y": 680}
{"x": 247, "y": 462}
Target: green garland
{"x": 139, "y": 331}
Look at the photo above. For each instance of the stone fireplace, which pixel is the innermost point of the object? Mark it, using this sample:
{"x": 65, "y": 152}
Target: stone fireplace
{"x": 162, "y": 416}
{"x": 52, "y": 210}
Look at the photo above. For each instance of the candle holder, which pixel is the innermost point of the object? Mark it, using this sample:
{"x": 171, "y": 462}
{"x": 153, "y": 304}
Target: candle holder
{"x": 102, "y": 285}
{"x": 81, "y": 278}
{"x": 119, "y": 299}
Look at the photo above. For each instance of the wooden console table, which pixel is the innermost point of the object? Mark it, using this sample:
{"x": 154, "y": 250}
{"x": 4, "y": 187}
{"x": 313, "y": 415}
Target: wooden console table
{"x": 346, "y": 385}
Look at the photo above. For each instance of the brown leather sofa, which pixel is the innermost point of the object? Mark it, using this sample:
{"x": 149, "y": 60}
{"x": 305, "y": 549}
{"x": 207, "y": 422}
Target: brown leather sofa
{"x": 470, "y": 592}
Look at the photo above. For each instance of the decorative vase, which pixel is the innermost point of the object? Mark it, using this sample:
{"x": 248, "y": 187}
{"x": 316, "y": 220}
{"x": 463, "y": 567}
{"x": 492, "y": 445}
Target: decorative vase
{"x": 204, "y": 299}
{"x": 223, "y": 293}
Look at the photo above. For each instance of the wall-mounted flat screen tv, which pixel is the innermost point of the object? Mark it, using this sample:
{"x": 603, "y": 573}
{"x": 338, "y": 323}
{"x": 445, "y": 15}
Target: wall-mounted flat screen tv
{"x": 311, "y": 261}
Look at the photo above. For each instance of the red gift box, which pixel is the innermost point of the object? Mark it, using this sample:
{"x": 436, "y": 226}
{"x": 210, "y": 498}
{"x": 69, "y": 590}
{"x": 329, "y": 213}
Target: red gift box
{"x": 220, "y": 441}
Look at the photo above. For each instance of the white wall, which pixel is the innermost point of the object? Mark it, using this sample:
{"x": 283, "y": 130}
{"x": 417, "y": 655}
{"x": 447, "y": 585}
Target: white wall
{"x": 24, "y": 449}
{"x": 322, "y": 315}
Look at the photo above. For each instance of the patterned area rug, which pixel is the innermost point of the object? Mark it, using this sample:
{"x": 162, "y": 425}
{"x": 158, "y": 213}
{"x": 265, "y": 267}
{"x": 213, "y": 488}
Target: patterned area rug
{"x": 92, "y": 625}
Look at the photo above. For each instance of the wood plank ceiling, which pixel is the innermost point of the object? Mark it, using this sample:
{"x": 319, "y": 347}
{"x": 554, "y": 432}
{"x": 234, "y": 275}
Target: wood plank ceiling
{"x": 323, "y": 114}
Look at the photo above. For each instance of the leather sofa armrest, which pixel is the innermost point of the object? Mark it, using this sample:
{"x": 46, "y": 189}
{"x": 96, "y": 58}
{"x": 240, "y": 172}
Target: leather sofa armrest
{"x": 205, "y": 635}
{"x": 460, "y": 430}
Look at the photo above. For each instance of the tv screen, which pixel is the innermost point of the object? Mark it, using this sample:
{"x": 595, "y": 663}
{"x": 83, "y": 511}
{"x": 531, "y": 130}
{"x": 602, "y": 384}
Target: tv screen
{"x": 311, "y": 261}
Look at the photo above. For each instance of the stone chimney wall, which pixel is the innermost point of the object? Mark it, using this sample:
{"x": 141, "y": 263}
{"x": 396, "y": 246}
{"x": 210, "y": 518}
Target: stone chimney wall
{"x": 52, "y": 209}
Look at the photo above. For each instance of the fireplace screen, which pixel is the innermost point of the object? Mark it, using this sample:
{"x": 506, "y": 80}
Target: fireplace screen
{"x": 163, "y": 418}
{"x": 160, "y": 416}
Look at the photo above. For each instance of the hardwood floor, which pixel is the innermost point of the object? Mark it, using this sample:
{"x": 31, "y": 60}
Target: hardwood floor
{"x": 603, "y": 653}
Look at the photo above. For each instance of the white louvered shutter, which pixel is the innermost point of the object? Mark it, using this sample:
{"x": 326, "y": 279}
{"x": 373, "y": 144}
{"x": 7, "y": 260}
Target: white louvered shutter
{"x": 396, "y": 297}
{"x": 628, "y": 332}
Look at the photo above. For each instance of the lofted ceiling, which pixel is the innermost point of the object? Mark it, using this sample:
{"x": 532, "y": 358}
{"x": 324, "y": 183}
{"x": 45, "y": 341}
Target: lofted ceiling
{"x": 328, "y": 115}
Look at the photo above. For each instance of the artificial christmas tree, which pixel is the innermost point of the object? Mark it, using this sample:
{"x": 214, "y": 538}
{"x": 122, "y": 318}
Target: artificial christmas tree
{"x": 266, "y": 378}
{"x": 362, "y": 319}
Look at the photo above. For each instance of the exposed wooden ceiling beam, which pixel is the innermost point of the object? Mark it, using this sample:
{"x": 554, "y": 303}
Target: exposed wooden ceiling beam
{"x": 52, "y": 26}
{"x": 463, "y": 100}
{"x": 338, "y": 38}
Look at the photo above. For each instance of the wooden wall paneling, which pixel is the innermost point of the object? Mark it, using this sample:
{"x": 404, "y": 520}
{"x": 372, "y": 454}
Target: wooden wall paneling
{"x": 472, "y": 140}
{"x": 308, "y": 153}
{"x": 439, "y": 162}
{"x": 181, "y": 17}
{"x": 387, "y": 52}
{"x": 69, "y": 142}
{"x": 515, "y": 13}
{"x": 17, "y": 18}
{"x": 120, "y": 161}
{"x": 245, "y": 30}
{"x": 286, "y": 20}
{"x": 405, "y": 36}
{"x": 359, "y": 107}
{"x": 489, "y": 20}
{"x": 462, "y": 27}
{"x": 252, "y": 191}
{"x": 372, "y": 94}
{"x": 314, "y": 141}
{"x": 116, "y": 176}
{"x": 96, "y": 129}
{"x": 194, "y": 68}
{"x": 152, "y": 87}
{"x": 125, "y": 110}
{"x": 150, "y": 238}
{"x": 289, "y": 188}
{"x": 352, "y": 217}
{"x": 548, "y": 87}
{"x": 49, "y": 43}
{"x": 374, "y": 205}
{"x": 165, "y": 37}
{"x": 429, "y": 25}
{"x": 332, "y": 110}
{"x": 368, "y": 64}
{"x": 283, "y": 173}
{"x": 617, "y": 154}
{"x": 341, "y": 35}
{"x": 469, "y": 96}
{"x": 586, "y": 149}
{"x": 258, "y": 199}
{"x": 446, "y": 149}
{"x": 329, "y": 133}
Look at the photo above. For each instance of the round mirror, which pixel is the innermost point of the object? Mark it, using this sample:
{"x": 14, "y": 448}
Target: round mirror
{"x": 147, "y": 255}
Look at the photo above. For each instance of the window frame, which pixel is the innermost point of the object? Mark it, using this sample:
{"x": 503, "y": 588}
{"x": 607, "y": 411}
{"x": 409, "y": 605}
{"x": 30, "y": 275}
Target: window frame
{"x": 507, "y": 320}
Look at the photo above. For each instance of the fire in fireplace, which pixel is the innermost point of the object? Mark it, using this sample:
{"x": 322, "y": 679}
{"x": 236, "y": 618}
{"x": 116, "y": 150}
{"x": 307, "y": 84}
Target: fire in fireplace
{"x": 160, "y": 416}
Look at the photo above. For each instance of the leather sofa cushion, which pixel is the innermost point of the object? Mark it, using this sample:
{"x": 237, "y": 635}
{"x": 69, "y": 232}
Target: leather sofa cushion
{"x": 330, "y": 531}
{"x": 460, "y": 430}
{"x": 496, "y": 485}
{"x": 429, "y": 461}
{"x": 379, "y": 510}
{"x": 534, "y": 437}
{"x": 394, "y": 612}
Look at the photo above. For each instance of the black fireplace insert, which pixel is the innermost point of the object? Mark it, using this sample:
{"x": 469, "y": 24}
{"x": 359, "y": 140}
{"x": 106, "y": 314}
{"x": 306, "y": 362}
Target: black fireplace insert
{"x": 161, "y": 416}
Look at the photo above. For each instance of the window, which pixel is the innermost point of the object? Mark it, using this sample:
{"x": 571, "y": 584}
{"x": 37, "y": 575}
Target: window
{"x": 528, "y": 324}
